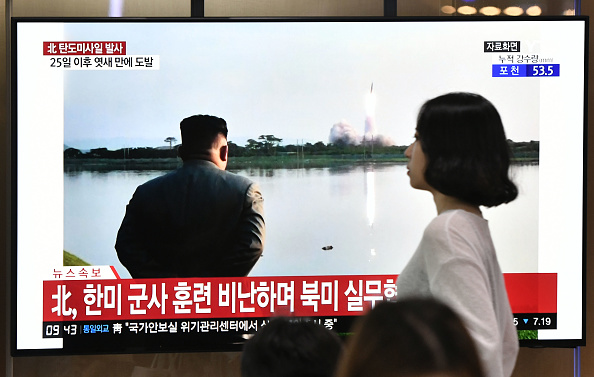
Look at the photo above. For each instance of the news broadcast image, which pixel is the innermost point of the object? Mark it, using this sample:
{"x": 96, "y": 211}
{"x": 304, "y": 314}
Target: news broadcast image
{"x": 319, "y": 115}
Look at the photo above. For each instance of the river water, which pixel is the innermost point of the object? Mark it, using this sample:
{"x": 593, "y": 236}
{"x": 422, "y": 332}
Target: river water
{"x": 369, "y": 215}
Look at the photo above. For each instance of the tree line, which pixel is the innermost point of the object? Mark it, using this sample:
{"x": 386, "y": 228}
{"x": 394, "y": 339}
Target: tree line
{"x": 270, "y": 145}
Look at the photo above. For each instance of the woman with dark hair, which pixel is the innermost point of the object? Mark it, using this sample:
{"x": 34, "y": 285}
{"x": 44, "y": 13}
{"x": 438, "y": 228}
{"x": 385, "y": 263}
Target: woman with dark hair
{"x": 461, "y": 156}
{"x": 410, "y": 338}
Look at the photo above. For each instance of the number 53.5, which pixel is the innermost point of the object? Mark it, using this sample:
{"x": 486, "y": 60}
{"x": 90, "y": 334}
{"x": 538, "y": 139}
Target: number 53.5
{"x": 542, "y": 70}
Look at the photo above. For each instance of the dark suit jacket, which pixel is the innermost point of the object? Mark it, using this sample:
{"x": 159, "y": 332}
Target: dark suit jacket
{"x": 197, "y": 221}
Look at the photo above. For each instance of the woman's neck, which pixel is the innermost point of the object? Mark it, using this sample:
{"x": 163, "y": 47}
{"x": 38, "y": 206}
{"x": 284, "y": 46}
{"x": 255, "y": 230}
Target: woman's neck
{"x": 445, "y": 203}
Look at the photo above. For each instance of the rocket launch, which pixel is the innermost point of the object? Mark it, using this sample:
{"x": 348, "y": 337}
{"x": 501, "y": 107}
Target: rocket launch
{"x": 370, "y": 115}
{"x": 343, "y": 132}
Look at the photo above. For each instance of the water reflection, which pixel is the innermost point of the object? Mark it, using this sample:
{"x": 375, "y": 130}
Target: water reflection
{"x": 370, "y": 201}
{"x": 370, "y": 196}
{"x": 306, "y": 210}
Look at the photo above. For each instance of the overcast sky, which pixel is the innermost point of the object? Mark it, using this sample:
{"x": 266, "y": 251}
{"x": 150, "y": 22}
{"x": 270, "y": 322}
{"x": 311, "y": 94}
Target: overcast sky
{"x": 293, "y": 80}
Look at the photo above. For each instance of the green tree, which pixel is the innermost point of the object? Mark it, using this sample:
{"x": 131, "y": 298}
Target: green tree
{"x": 170, "y": 140}
{"x": 254, "y": 147}
{"x": 235, "y": 150}
{"x": 72, "y": 153}
{"x": 270, "y": 142}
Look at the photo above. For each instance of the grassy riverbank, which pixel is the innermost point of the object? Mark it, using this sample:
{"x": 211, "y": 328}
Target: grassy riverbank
{"x": 72, "y": 260}
{"x": 112, "y": 164}
{"x": 528, "y": 334}
{"x": 237, "y": 163}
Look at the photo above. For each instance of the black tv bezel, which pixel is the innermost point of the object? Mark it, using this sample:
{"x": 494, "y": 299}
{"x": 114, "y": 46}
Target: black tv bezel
{"x": 12, "y": 155}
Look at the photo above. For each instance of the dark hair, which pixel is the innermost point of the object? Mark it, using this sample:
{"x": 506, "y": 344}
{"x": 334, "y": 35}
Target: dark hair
{"x": 199, "y": 132}
{"x": 467, "y": 152}
{"x": 291, "y": 348}
{"x": 411, "y": 337}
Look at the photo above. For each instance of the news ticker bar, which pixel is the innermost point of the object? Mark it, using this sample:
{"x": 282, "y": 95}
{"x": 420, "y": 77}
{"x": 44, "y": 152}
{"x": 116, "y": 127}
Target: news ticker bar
{"x": 239, "y": 326}
{"x": 171, "y": 335}
{"x": 178, "y": 326}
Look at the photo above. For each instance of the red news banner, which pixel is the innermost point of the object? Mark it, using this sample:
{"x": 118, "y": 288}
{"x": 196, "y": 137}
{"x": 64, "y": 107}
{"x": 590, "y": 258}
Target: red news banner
{"x": 252, "y": 297}
{"x": 84, "y": 48}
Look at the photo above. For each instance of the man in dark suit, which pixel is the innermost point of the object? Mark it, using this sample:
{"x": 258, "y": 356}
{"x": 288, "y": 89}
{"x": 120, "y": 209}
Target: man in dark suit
{"x": 197, "y": 221}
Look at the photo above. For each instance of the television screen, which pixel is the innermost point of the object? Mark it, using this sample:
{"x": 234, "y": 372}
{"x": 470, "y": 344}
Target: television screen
{"x": 319, "y": 113}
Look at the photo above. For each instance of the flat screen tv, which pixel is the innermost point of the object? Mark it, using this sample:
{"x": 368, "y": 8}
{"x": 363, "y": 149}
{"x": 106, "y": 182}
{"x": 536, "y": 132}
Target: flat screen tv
{"x": 319, "y": 113}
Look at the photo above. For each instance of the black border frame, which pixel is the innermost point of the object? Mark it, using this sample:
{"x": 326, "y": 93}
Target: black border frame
{"x": 13, "y": 211}
{"x": 197, "y": 8}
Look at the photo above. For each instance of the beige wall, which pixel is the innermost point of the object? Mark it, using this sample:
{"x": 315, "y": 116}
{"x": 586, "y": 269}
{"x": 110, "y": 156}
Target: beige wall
{"x": 531, "y": 362}
{"x": 99, "y": 8}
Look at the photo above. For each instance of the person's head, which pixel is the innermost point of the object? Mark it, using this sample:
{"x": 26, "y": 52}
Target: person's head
{"x": 410, "y": 338}
{"x": 461, "y": 150}
{"x": 204, "y": 137}
{"x": 291, "y": 348}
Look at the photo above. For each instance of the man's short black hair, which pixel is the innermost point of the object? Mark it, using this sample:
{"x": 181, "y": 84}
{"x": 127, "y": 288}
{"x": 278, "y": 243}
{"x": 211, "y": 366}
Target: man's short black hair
{"x": 291, "y": 348}
{"x": 199, "y": 132}
{"x": 467, "y": 152}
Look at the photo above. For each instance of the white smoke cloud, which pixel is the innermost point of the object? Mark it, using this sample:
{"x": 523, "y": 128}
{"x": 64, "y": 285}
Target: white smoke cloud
{"x": 383, "y": 140}
{"x": 343, "y": 133}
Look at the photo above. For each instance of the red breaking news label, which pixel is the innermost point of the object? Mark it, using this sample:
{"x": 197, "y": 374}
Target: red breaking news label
{"x": 84, "y": 48}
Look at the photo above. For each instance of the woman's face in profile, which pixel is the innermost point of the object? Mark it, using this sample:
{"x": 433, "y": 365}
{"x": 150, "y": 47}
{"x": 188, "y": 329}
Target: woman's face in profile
{"x": 417, "y": 163}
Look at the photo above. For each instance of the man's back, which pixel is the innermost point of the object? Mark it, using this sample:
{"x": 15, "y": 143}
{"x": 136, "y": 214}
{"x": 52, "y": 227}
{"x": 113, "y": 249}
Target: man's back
{"x": 197, "y": 221}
